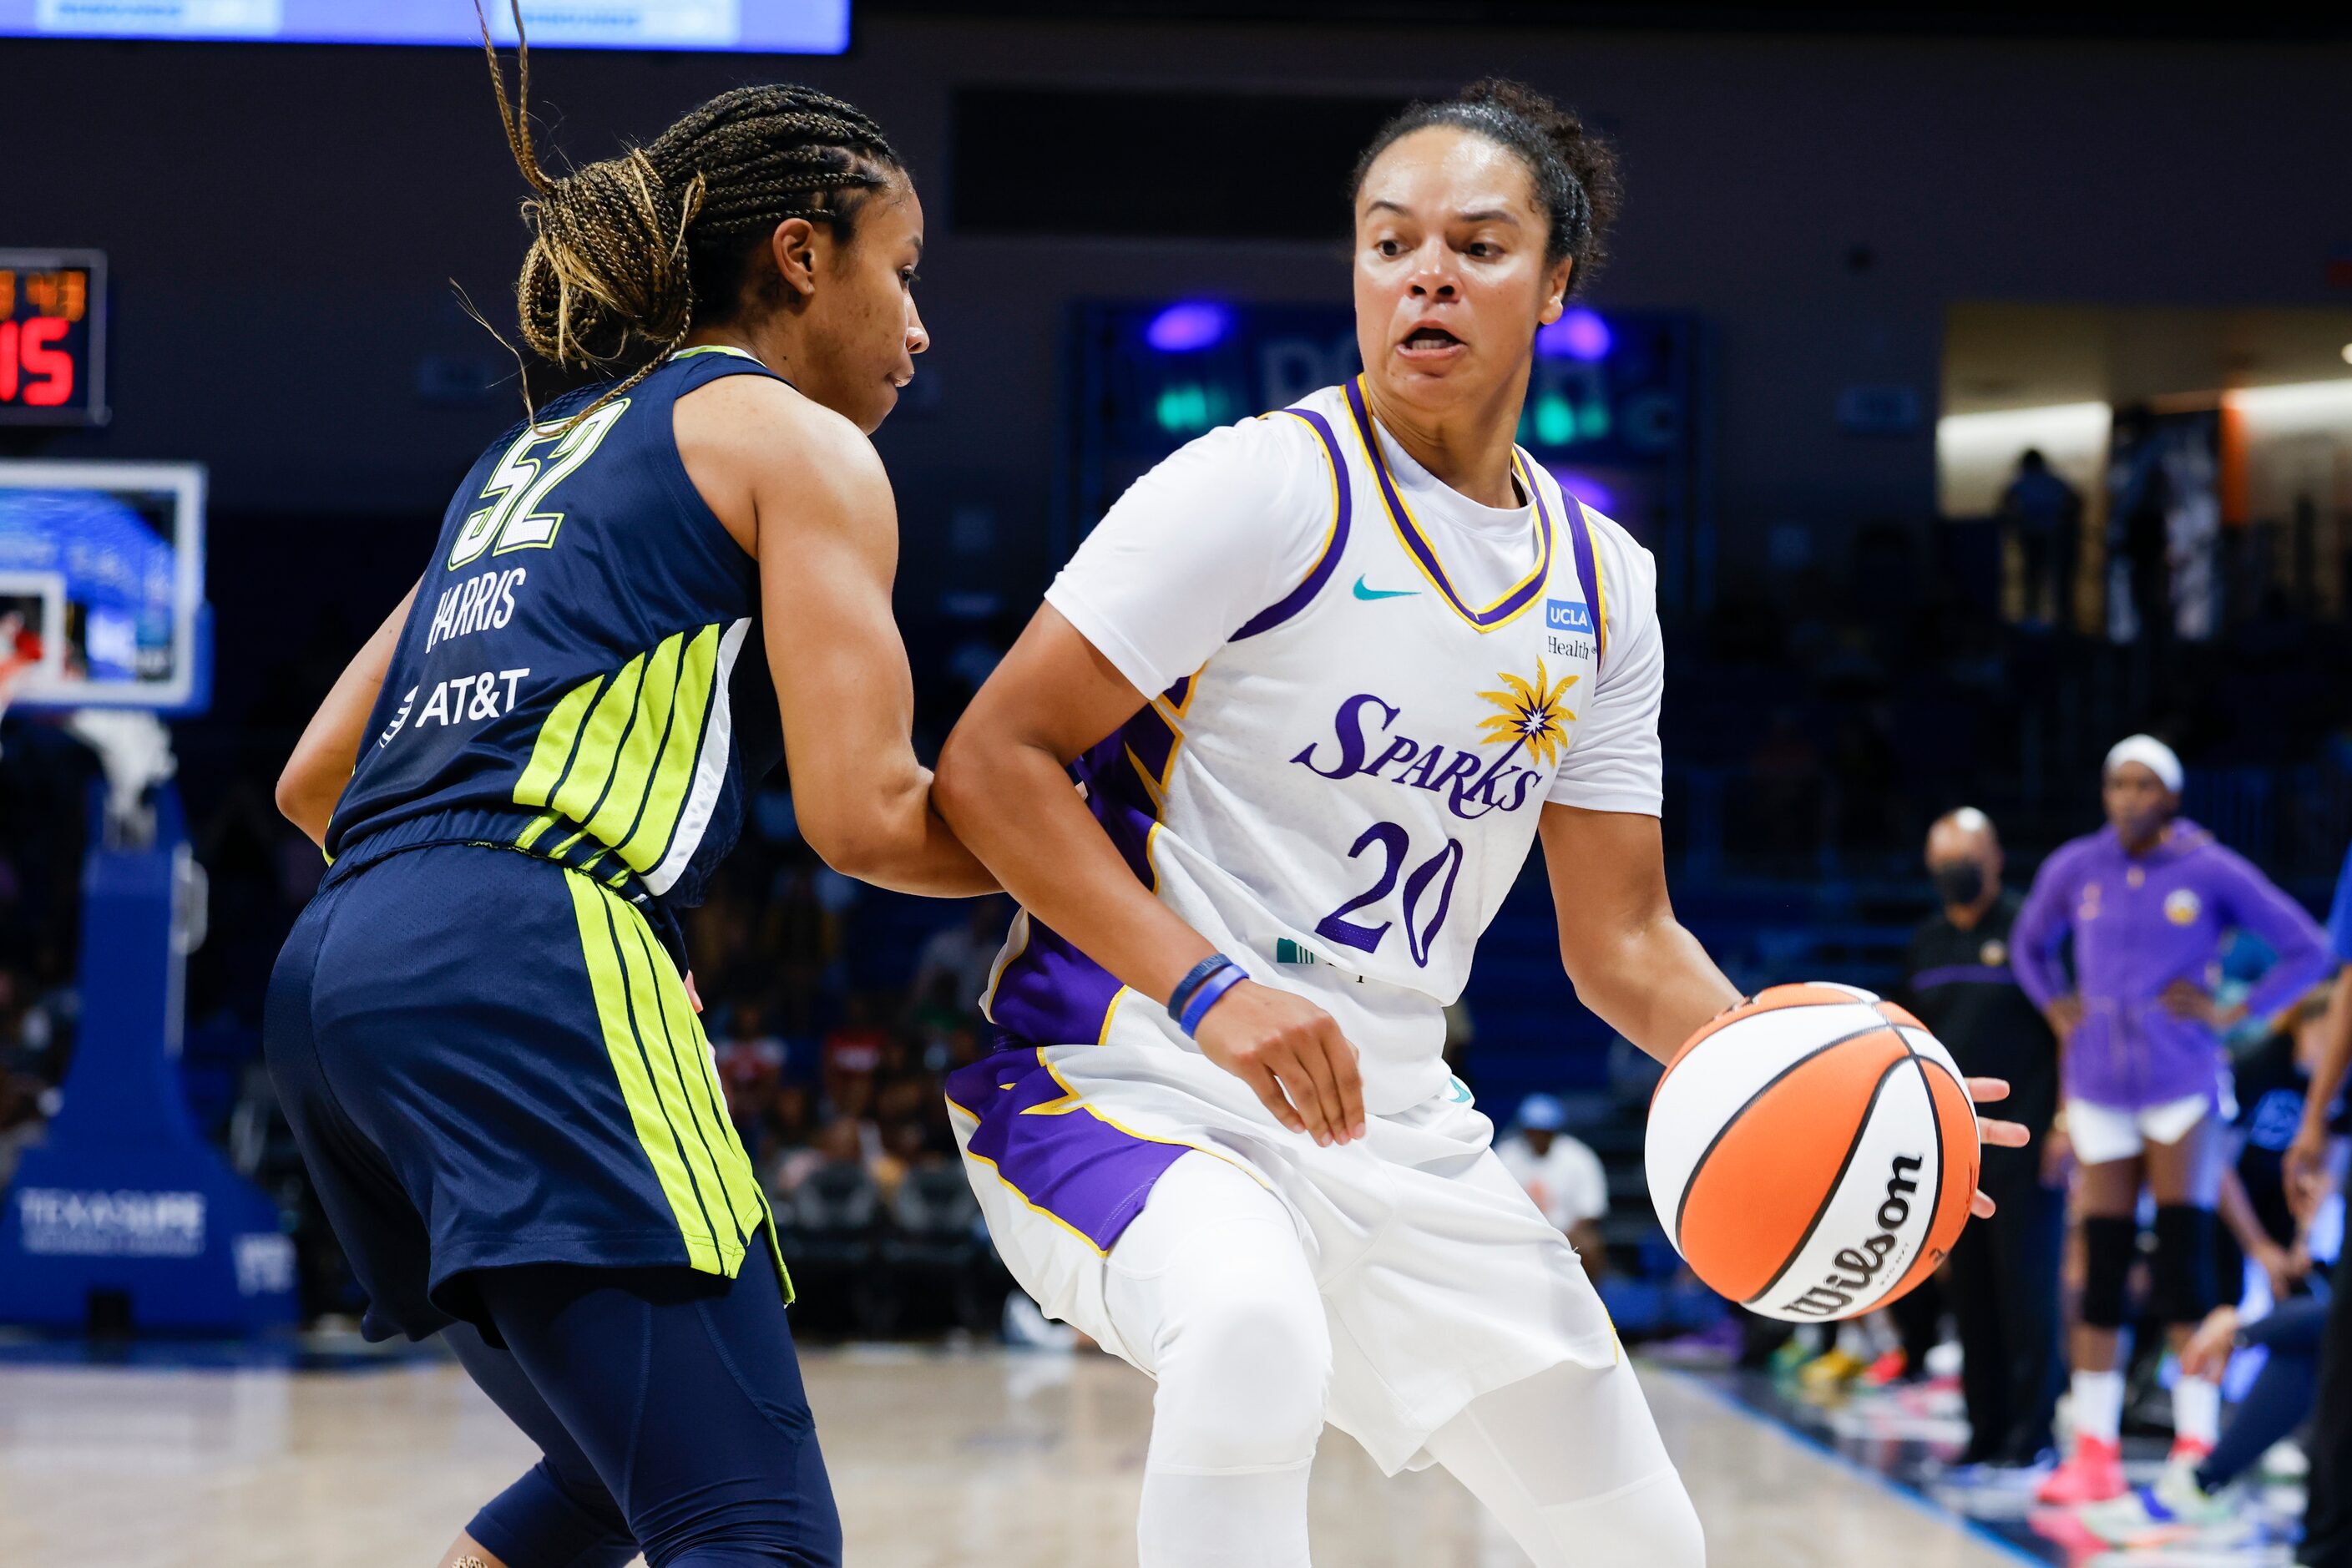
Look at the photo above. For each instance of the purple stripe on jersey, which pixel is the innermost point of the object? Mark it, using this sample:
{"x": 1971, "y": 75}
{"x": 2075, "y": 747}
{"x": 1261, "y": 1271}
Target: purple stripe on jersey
{"x": 1299, "y": 598}
{"x": 1050, "y": 992}
{"x": 1152, "y": 741}
{"x": 1964, "y": 974}
{"x": 1048, "y": 1147}
{"x": 1588, "y": 573}
{"x": 1502, "y": 609}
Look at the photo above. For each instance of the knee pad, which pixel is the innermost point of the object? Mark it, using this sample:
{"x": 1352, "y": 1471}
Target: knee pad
{"x": 2109, "y": 1244}
{"x": 2182, "y": 1279}
{"x": 1242, "y": 1383}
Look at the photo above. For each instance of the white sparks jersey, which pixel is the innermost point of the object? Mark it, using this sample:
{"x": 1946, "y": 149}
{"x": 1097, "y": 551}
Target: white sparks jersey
{"x": 1369, "y": 687}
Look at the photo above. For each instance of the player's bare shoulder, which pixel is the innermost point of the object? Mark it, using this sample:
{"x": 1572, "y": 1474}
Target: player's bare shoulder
{"x": 751, "y": 444}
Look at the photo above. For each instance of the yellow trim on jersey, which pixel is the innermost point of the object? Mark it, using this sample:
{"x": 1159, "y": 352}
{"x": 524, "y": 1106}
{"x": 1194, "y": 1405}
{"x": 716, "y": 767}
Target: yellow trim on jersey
{"x": 719, "y": 349}
{"x": 1599, "y": 586}
{"x": 615, "y": 759}
{"x": 1332, "y": 529}
{"x": 998, "y": 1173}
{"x": 662, "y": 1063}
{"x": 1407, "y": 528}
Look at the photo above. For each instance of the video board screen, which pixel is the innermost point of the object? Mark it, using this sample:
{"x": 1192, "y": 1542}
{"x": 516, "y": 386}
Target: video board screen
{"x": 765, "y": 26}
{"x": 101, "y": 584}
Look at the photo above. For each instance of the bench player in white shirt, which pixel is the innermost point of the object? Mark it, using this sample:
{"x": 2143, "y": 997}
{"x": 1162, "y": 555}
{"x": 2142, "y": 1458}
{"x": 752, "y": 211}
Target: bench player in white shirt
{"x": 1324, "y": 678}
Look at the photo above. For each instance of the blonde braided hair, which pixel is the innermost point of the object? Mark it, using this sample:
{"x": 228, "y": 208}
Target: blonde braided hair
{"x": 626, "y": 251}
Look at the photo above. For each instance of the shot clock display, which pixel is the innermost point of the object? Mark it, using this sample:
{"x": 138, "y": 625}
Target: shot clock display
{"x": 52, "y": 337}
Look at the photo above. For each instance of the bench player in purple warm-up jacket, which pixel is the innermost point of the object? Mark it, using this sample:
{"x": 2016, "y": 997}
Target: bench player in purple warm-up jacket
{"x": 2149, "y": 900}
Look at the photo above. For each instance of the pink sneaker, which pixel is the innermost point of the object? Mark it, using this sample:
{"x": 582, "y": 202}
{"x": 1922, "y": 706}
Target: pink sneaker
{"x": 2092, "y": 1473}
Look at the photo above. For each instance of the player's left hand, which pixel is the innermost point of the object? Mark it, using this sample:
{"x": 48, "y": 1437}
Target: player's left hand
{"x": 2006, "y": 1134}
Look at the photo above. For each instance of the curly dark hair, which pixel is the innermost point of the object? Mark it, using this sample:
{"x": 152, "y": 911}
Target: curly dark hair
{"x": 627, "y": 254}
{"x": 1574, "y": 170}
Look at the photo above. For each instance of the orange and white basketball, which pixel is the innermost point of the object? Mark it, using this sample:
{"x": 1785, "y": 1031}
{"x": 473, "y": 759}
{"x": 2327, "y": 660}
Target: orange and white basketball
{"x": 1812, "y": 1153}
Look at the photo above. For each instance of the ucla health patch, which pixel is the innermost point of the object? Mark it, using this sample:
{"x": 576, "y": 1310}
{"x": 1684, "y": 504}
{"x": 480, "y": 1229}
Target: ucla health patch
{"x": 1567, "y": 616}
{"x": 1568, "y": 629}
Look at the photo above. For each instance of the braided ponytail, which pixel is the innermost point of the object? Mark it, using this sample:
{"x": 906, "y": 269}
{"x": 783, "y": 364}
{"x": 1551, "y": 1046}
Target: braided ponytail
{"x": 628, "y": 254}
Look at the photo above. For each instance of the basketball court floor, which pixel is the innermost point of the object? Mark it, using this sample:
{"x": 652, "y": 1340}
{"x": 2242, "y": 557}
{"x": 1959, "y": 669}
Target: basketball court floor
{"x": 942, "y": 1460}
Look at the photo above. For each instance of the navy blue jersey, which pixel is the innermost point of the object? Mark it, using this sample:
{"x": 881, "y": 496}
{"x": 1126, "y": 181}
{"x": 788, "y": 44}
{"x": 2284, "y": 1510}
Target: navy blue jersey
{"x": 581, "y": 675}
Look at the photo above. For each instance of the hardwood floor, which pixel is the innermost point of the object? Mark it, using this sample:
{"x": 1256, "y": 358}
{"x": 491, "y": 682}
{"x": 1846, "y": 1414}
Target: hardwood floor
{"x": 940, "y": 1460}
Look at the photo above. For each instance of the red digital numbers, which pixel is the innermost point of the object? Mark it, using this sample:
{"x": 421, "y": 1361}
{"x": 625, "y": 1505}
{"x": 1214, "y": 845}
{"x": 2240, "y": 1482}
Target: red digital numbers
{"x": 51, "y": 313}
{"x": 32, "y": 370}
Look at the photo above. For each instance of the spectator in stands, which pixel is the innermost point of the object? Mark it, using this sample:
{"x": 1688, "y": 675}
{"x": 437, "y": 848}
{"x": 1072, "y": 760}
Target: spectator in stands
{"x": 2003, "y": 1281}
{"x": 937, "y": 1020}
{"x": 750, "y": 1063}
{"x": 964, "y": 952}
{"x": 788, "y": 1149}
{"x": 1561, "y": 1174}
{"x": 2327, "y": 1516}
{"x": 2044, "y": 514}
{"x": 851, "y": 1055}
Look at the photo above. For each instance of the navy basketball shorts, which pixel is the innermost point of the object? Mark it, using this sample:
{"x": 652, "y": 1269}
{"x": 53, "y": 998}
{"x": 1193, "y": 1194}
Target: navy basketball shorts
{"x": 488, "y": 1061}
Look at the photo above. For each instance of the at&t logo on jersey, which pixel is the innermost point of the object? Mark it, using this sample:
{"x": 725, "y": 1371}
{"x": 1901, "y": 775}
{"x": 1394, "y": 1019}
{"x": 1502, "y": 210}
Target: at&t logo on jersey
{"x": 1533, "y": 721}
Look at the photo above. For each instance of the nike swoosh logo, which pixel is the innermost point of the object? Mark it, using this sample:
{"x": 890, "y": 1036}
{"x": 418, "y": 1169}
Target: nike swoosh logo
{"x": 1364, "y": 593}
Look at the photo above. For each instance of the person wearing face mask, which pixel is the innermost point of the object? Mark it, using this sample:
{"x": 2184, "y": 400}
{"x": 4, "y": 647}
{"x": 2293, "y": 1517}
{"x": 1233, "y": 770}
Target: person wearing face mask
{"x": 2003, "y": 1281}
{"x": 2148, "y": 903}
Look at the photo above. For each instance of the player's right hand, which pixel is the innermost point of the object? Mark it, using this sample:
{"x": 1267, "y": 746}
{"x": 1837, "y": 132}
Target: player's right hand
{"x": 1292, "y": 1056}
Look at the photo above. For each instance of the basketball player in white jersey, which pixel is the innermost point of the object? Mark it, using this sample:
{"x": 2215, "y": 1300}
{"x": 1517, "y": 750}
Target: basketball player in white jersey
{"x": 1324, "y": 678}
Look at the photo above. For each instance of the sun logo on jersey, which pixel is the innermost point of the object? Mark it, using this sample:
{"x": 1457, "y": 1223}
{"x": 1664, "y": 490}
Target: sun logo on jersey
{"x": 1532, "y": 715}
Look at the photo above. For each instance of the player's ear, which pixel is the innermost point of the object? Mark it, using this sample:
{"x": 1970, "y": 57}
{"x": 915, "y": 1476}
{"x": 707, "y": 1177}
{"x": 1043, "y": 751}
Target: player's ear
{"x": 1555, "y": 295}
{"x": 793, "y": 249}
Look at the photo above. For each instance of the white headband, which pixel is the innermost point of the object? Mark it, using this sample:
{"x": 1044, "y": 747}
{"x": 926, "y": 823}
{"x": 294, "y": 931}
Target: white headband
{"x": 2148, "y": 752}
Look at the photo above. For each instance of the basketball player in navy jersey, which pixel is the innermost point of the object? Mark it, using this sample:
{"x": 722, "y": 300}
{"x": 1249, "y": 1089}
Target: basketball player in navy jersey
{"x": 481, "y": 1028}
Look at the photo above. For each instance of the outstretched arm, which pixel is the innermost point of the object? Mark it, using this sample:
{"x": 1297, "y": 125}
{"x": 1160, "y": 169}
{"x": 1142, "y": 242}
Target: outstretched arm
{"x": 328, "y": 750}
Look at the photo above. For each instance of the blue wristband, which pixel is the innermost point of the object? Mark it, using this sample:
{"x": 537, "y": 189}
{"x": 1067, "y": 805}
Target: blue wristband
{"x": 1205, "y": 997}
{"x": 1177, "y": 998}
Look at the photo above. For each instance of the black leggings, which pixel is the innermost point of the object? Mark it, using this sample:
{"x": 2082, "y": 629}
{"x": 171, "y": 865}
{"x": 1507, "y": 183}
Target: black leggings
{"x": 670, "y": 1410}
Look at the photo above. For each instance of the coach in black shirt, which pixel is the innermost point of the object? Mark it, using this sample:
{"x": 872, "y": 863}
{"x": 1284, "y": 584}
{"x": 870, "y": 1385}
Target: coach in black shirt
{"x": 2003, "y": 1281}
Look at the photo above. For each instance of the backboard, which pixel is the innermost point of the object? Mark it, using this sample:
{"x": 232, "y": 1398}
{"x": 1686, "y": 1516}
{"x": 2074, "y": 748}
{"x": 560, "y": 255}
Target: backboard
{"x": 110, "y": 556}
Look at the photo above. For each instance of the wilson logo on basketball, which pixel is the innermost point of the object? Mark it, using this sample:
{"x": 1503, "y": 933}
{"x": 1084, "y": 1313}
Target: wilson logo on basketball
{"x": 1859, "y": 1266}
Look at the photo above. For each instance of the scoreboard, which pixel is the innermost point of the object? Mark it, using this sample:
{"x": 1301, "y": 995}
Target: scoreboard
{"x": 52, "y": 337}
